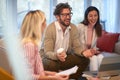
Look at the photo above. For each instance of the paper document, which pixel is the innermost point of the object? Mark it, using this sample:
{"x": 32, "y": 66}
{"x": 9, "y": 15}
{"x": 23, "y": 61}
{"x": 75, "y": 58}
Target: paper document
{"x": 69, "y": 71}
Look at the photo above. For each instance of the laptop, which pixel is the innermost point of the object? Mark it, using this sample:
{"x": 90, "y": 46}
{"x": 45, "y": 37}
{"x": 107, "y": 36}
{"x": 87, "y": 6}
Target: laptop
{"x": 110, "y": 66}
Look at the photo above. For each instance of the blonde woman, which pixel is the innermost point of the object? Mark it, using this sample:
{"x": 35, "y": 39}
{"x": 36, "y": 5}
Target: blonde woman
{"x": 31, "y": 30}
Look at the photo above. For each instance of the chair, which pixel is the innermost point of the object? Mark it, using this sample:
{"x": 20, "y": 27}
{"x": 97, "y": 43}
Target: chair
{"x": 5, "y": 68}
{"x": 5, "y": 75}
{"x": 4, "y": 62}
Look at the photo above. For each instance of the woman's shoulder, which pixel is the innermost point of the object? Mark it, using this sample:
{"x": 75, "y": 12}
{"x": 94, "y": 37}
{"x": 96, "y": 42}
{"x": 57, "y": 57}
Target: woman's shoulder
{"x": 29, "y": 44}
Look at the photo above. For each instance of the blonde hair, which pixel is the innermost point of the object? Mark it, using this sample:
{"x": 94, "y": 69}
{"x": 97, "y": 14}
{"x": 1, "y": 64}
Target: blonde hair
{"x": 31, "y": 26}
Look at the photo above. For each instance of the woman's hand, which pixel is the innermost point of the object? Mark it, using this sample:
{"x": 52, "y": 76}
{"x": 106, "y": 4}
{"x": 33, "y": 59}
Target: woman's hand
{"x": 88, "y": 53}
{"x": 96, "y": 51}
{"x": 62, "y": 77}
{"x": 49, "y": 73}
{"x": 54, "y": 76}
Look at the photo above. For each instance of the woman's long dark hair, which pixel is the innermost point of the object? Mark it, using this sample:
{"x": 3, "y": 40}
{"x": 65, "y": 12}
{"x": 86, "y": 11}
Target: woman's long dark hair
{"x": 98, "y": 26}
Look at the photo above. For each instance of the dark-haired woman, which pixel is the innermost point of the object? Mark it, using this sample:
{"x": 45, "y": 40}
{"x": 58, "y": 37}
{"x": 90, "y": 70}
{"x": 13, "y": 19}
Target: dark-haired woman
{"x": 89, "y": 30}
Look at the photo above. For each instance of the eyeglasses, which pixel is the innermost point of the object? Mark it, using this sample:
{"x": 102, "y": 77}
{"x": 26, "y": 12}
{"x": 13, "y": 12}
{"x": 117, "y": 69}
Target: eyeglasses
{"x": 66, "y": 14}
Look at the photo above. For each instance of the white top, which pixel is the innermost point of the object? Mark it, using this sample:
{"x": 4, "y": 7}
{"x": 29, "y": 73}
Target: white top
{"x": 62, "y": 39}
{"x": 82, "y": 29}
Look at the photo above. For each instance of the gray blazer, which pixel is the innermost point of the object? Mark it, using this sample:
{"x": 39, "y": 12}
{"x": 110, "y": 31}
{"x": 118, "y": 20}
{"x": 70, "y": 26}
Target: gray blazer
{"x": 82, "y": 30}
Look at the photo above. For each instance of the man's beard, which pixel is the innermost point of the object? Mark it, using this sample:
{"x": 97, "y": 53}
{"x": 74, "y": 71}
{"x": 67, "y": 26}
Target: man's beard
{"x": 62, "y": 22}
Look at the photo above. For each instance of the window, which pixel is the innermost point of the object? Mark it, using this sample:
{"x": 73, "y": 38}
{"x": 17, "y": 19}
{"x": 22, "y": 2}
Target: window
{"x": 2, "y": 15}
{"x": 28, "y": 5}
{"x": 78, "y": 8}
{"x": 99, "y": 4}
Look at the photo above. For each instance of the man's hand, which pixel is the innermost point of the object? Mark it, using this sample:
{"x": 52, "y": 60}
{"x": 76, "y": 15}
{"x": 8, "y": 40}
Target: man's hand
{"x": 61, "y": 56}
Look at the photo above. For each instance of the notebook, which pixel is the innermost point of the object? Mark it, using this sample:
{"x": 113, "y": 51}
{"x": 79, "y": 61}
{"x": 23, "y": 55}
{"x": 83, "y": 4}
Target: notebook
{"x": 110, "y": 66}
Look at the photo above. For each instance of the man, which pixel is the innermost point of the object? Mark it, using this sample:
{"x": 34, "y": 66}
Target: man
{"x": 63, "y": 35}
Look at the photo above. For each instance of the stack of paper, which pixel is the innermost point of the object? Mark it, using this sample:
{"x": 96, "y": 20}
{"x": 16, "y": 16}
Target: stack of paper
{"x": 69, "y": 71}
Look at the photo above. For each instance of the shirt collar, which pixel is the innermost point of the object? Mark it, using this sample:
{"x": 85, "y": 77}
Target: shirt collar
{"x": 58, "y": 26}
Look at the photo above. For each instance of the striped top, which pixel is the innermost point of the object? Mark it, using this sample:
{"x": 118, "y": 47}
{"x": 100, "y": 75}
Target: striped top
{"x": 34, "y": 60}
